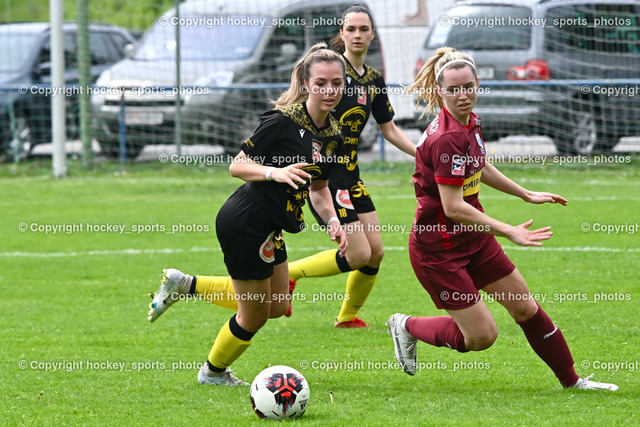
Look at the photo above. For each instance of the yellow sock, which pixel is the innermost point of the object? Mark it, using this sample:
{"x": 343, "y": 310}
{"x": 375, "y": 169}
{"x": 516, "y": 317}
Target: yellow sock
{"x": 319, "y": 265}
{"x": 217, "y": 290}
{"x": 359, "y": 287}
{"x": 226, "y": 348}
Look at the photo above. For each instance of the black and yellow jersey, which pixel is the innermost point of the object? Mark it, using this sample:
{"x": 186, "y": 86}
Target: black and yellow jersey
{"x": 364, "y": 95}
{"x": 286, "y": 136}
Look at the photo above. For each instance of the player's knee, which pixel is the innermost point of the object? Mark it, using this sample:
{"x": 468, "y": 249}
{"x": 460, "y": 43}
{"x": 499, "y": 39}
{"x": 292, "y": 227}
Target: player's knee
{"x": 278, "y": 310}
{"x": 481, "y": 341}
{"x": 377, "y": 253}
{"x": 358, "y": 257}
{"x": 524, "y": 311}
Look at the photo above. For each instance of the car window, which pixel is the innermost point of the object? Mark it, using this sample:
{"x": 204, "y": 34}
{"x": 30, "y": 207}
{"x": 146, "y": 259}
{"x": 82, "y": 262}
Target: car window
{"x": 16, "y": 49}
{"x": 289, "y": 30}
{"x": 483, "y": 27}
{"x": 593, "y": 28}
{"x": 203, "y": 42}
{"x": 102, "y": 51}
{"x": 70, "y": 51}
{"x": 120, "y": 43}
{"x": 324, "y": 25}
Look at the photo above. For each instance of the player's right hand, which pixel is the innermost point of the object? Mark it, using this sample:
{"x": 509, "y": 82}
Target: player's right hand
{"x": 291, "y": 174}
{"x": 521, "y": 234}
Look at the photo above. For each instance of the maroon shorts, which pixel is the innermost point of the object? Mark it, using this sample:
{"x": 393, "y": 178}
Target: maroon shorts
{"x": 453, "y": 277}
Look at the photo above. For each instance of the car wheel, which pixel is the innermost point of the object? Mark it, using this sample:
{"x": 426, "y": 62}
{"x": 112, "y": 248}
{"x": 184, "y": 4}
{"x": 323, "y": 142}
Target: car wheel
{"x": 242, "y": 128}
{"x": 21, "y": 142}
{"x": 111, "y": 149}
{"x": 581, "y": 133}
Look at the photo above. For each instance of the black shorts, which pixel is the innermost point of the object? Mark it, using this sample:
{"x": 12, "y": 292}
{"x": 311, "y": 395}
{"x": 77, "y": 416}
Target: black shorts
{"x": 348, "y": 203}
{"x": 250, "y": 245}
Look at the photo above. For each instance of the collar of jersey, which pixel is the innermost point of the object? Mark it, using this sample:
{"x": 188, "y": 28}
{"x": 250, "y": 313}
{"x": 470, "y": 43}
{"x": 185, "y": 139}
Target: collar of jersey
{"x": 317, "y": 129}
{"x": 364, "y": 66}
{"x": 466, "y": 127}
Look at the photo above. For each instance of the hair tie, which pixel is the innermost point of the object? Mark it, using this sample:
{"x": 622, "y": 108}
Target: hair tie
{"x": 464, "y": 61}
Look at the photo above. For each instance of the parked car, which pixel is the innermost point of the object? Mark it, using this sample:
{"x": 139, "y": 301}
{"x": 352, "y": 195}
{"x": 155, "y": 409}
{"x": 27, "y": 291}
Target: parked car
{"x": 548, "y": 67}
{"x": 25, "y": 107}
{"x": 225, "y": 48}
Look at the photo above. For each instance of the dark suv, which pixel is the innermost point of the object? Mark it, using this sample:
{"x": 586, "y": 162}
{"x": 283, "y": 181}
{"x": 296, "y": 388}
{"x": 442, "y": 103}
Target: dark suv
{"x": 567, "y": 69}
{"x": 25, "y": 105}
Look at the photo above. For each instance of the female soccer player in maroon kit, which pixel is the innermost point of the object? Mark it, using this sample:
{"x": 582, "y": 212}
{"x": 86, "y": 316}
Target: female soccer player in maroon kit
{"x": 453, "y": 248}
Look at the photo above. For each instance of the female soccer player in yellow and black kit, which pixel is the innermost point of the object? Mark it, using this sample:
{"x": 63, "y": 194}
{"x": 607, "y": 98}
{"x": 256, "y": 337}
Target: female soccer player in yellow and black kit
{"x": 287, "y": 160}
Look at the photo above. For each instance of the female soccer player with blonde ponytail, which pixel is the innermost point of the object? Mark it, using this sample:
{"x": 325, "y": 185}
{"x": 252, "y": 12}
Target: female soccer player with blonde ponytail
{"x": 453, "y": 249}
{"x": 249, "y": 225}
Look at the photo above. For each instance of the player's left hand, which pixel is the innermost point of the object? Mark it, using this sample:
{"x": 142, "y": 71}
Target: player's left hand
{"x": 337, "y": 234}
{"x": 539, "y": 198}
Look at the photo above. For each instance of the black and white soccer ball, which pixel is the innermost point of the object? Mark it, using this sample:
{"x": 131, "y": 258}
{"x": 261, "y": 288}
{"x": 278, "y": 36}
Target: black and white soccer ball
{"x": 279, "y": 392}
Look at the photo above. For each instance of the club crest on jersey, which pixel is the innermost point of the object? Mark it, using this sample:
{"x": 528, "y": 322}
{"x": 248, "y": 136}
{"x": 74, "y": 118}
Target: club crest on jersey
{"x": 343, "y": 199}
{"x": 267, "y": 249}
{"x": 457, "y": 165}
{"x": 362, "y": 96}
{"x": 480, "y": 143}
{"x": 316, "y": 146}
{"x": 331, "y": 147}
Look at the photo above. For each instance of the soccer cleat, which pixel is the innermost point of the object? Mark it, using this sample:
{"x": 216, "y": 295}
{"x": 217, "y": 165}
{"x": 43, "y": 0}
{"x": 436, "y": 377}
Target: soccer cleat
{"x": 587, "y": 384}
{"x": 355, "y": 323}
{"x": 404, "y": 344}
{"x": 292, "y": 286}
{"x": 226, "y": 377}
{"x": 168, "y": 293}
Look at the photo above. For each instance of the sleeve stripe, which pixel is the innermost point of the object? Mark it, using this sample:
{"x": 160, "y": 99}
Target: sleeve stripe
{"x": 449, "y": 181}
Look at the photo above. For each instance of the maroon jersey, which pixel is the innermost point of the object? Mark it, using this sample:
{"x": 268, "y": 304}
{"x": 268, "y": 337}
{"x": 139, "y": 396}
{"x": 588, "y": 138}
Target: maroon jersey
{"x": 448, "y": 153}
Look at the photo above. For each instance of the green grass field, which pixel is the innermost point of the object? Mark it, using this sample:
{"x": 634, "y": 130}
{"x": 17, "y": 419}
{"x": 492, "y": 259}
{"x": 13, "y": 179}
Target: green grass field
{"x": 77, "y": 347}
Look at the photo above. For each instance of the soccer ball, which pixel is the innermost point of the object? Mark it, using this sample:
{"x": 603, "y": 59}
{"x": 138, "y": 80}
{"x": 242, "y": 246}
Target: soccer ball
{"x": 279, "y": 392}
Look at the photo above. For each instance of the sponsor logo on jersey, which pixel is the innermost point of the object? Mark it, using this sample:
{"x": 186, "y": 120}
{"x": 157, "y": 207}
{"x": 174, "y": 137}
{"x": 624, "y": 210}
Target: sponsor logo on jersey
{"x": 433, "y": 127}
{"x": 354, "y": 118}
{"x": 316, "y": 147}
{"x": 472, "y": 184}
{"x": 343, "y": 199}
{"x": 267, "y": 249}
{"x": 458, "y": 165}
{"x": 349, "y": 79}
{"x": 480, "y": 143}
{"x": 301, "y": 133}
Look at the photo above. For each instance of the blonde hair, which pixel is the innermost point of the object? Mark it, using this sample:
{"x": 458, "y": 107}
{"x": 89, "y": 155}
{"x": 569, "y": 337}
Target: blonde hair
{"x": 426, "y": 83}
{"x": 297, "y": 92}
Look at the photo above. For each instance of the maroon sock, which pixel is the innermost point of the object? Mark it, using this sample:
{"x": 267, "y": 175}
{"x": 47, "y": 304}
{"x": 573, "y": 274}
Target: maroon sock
{"x": 547, "y": 341}
{"x": 440, "y": 331}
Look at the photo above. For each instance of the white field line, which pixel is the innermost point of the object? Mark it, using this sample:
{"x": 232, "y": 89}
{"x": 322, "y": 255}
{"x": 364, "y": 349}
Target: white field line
{"x": 591, "y": 249}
